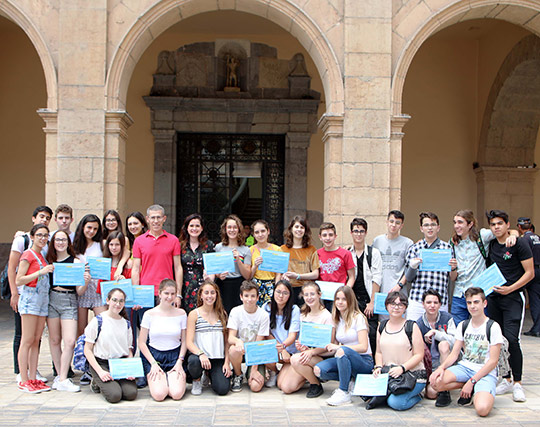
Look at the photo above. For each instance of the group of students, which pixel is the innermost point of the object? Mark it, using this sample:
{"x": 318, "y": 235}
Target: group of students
{"x": 208, "y": 318}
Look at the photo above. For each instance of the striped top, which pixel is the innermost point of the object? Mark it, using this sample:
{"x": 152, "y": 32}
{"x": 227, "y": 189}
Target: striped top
{"x": 209, "y": 338}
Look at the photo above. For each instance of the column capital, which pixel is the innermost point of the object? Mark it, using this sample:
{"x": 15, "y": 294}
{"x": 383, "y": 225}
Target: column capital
{"x": 331, "y": 125}
{"x": 505, "y": 173}
{"x": 298, "y": 139}
{"x": 118, "y": 122}
{"x": 50, "y": 117}
{"x": 397, "y": 124}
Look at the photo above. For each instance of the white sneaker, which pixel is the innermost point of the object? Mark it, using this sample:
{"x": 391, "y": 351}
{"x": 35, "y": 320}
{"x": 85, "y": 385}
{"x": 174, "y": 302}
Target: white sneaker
{"x": 504, "y": 387}
{"x": 339, "y": 397}
{"x": 40, "y": 377}
{"x": 196, "y": 388}
{"x": 518, "y": 394}
{"x": 55, "y": 382}
{"x": 272, "y": 379}
{"x": 205, "y": 379}
{"x": 18, "y": 378}
{"x": 351, "y": 386}
{"x": 67, "y": 385}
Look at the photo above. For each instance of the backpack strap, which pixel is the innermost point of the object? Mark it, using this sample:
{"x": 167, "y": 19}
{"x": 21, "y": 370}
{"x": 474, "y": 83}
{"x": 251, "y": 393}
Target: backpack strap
{"x": 99, "y": 324}
{"x": 481, "y": 247}
{"x": 26, "y": 241}
{"x": 369, "y": 255}
{"x": 382, "y": 325}
{"x": 490, "y": 323}
{"x": 409, "y": 326}
{"x": 464, "y": 326}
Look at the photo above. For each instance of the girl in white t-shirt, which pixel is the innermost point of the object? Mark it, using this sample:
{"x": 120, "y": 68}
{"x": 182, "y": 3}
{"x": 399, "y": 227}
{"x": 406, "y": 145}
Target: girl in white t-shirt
{"x": 352, "y": 354}
{"x": 164, "y": 354}
{"x": 312, "y": 311}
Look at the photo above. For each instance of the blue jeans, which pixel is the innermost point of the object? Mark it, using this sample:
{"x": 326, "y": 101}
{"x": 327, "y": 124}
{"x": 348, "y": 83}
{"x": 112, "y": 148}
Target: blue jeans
{"x": 402, "y": 402}
{"x": 344, "y": 368}
{"x": 459, "y": 310}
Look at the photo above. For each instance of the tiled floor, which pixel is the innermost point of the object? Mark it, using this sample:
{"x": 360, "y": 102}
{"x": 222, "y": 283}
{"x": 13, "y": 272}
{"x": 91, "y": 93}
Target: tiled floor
{"x": 270, "y": 407}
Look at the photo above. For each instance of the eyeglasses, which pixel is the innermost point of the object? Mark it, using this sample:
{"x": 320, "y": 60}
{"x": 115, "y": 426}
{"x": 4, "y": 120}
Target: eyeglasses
{"x": 117, "y": 301}
{"x": 431, "y": 225}
{"x": 111, "y": 220}
{"x": 42, "y": 236}
{"x": 396, "y": 305}
{"x": 283, "y": 293}
{"x": 64, "y": 240}
{"x": 358, "y": 231}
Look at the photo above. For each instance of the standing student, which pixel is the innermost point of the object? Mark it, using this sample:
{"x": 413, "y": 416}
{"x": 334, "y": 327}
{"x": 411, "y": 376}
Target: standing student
{"x": 207, "y": 342}
{"x": 135, "y": 226}
{"x": 470, "y": 247}
{"x": 420, "y": 280}
{"x": 368, "y": 275}
{"x": 263, "y": 279}
{"x": 63, "y": 216}
{"x": 87, "y": 243}
{"x": 506, "y": 304}
{"x": 41, "y": 215}
{"x": 393, "y": 248}
{"x": 476, "y": 372}
{"x": 247, "y": 323}
{"x": 162, "y": 342}
{"x": 112, "y": 223}
{"x": 33, "y": 278}
{"x": 113, "y": 340}
{"x": 232, "y": 239}
{"x": 352, "y": 353}
{"x": 303, "y": 362}
{"x": 400, "y": 352}
{"x": 62, "y": 315}
{"x": 284, "y": 328}
{"x": 193, "y": 243}
{"x": 304, "y": 260}
{"x": 114, "y": 248}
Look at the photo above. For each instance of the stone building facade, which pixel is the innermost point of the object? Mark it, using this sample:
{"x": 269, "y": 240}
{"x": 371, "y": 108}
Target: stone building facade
{"x": 334, "y": 77}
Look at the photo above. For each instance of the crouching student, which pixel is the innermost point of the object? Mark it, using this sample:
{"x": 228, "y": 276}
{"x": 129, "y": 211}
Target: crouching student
{"x": 113, "y": 340}
{"x": 476, "y": 373}
{"x": 247, "y": 323}
{"x": 438, "y": 329}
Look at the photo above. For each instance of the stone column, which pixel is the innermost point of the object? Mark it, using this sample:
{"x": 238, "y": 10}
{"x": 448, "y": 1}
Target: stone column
{"x": 82, "y": 57}
{"x": 51, "y": 142}
{"x": 508, "y": 188}
{"x": 165, "y": 174}
{"x": 396, "y": 140}
{"x": 296, "y": 146}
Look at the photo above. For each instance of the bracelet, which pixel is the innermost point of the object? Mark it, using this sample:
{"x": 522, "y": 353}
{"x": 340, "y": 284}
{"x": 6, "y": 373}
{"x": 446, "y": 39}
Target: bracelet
{"x": 400, "y": 284}
{"x": 182, "y": 358}
{"x": 200, "y": 353}
{"x": 403, "y": 367}
{"x": 178, "y": 296}
{"x": 377, "y": 367}
{"x": 298, "y": 277}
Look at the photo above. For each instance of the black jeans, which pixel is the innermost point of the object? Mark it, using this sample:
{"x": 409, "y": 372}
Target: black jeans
{"x": 220, "y": 383}
{"x": 533, "y": 289}
{"x": 16, "y": 340}
{"x": 373, "y": 323}
{"x": 507, "y": 311}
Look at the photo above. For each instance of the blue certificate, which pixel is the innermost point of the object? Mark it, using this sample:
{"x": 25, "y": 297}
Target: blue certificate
{"x": 274, "y": 261}
{"x": 68, "y": 274}
{"x": 100, "y": 268}
{"x": 125, "y": 285}
{"x": 315, "y": 334}
{"x": 328, "y": 289}
{"x": 143, "y": 296}
{"x": 368, "y": 385}
{"x": 261, "y": 352}
{"x": 127, "y": 367}
{"x": 219, "y": 262}
{"x": 489, "y": 278}
{"x": 435, "y": 259}
{"x": 379, "y": 307}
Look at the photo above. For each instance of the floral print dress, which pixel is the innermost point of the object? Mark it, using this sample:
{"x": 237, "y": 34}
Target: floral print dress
{"x": 192, "y": 264}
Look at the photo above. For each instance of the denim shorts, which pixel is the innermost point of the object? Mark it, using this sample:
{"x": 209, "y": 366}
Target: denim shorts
{"x": 35, "y": 300}
{"x": 63, "y": 305}
{"x": 166, "y": 359}
{"x": 463, "y": 374}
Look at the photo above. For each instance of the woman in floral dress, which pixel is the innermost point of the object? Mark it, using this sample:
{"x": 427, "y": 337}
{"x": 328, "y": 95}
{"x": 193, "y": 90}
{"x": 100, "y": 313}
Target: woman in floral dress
{"x": 194, "y": 243}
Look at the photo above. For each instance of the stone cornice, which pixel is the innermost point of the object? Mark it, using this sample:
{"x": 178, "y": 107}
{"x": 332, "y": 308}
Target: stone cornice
{"x": 331, "y": 126}
{"x": 118, "y": 122}
{"x": 50, "y": 117}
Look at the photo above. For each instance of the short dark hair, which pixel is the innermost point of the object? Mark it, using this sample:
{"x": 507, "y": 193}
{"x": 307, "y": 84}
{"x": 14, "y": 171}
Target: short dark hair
{"x": 429, "y": 215}
{"x": 397, "y": 215}
{"x": 360, "y": 222}
{"x": 432, "y": 292}
{"x": 497, "y": 213}
{"x": 248, "y": 285}
{"x": 396, "y": 294}
{"x": 471, "y": 292}
{"x": 42, "y": 209}
{"x": 327, "y": 226}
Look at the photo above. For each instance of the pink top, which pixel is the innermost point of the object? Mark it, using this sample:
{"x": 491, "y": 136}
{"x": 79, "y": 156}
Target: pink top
{"x": 156, "y": 255}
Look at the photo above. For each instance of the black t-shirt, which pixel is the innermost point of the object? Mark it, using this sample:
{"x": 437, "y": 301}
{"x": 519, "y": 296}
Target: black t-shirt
{"x": 509, "y": 259}
{"x": 359, "y": 286}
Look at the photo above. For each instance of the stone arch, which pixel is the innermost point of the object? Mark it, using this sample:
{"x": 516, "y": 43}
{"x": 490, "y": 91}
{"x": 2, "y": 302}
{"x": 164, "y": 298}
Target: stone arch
{"x": 523, "y": 13}
{"x": 166, "y": 13}
{"x": 14, "y": 14}
{"x": 512, "y": 113}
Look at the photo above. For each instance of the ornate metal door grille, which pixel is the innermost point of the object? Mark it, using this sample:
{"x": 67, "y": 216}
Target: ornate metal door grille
{"x": 207, "y": 182}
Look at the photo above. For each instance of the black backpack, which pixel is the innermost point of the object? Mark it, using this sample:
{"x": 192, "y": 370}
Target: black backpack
{"x": 5, "y": 290}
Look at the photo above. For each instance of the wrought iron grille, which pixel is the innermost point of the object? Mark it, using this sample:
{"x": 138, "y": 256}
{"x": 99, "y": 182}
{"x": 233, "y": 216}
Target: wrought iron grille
{"x": 207, "y": 181}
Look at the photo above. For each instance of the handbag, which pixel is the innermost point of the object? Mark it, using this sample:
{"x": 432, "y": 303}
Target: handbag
{"x": 402, "y": 384}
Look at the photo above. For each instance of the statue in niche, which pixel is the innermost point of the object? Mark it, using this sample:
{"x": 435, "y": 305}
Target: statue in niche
{"x": 165, "y": 63}
{"x": 232, "y": 77}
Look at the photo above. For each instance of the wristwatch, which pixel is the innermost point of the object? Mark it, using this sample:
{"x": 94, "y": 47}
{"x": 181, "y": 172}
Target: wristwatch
{"x": 473, "y": 381}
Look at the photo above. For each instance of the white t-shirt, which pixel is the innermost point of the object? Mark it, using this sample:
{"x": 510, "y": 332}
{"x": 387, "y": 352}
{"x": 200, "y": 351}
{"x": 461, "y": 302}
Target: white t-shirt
{"x": 165, "y": 332}
{"x": 324, "y": 317}
{"x": 249, "y": 325}
{"x": 115, "y": 338}
{"x": 350, "y": 336}
{"x": 476, "y": 346}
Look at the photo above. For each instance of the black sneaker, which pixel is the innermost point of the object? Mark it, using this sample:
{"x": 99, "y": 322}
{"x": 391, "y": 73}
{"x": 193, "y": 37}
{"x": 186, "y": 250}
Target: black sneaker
{"x": 464, "y": 401}
{"x": 71, "y": 374}
{"x": 443, "y": 399}
{"x": 85, "y": 379}
{"x": 236, "y": 384}
{"x": 141, "y": 382}
{"x": 315, "y": 390}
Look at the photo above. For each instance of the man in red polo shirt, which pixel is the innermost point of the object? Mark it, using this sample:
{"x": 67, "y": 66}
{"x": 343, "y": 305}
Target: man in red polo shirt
{"x": 156, "y": 254}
